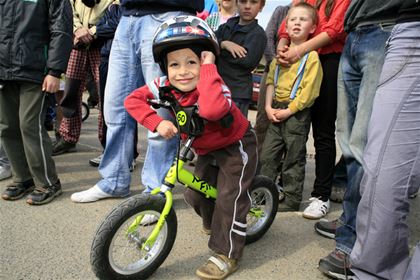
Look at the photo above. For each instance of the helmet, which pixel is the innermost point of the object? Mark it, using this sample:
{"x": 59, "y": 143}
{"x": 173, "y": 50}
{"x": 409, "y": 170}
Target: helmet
{"x": 182, "y": 32}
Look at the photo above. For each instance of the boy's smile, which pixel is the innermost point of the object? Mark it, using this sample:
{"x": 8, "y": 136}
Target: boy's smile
{"x": 183, "y": 69}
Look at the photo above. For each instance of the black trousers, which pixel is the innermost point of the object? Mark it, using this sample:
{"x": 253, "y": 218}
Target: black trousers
{"x": 323, "y": 115}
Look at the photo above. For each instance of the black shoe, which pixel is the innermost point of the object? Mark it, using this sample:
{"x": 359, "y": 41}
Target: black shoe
{"x": 337, "y": 194}
{"x": 327, "y": 228}
{"x": 17, "y": 190}
{"x": 336, "y": 265}
{"x": 284, "y": 207}
{"x": 61, "y": 147}
{"x": 43, "y": 195}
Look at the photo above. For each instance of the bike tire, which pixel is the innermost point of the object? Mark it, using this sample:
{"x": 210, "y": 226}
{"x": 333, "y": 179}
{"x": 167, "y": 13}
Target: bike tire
{"x": 265, "y": 198}
{"x": 106, "y": 240}
{"x": 85, "y": 111}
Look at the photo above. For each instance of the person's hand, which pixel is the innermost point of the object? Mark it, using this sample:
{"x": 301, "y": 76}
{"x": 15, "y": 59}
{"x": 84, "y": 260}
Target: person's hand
{"x": 166, "y": 129}
{"x": 236, "y": 50}
{"x": 82, "y": 35}
{"x": 283, "y": 114}
{"x": 288, "y": 56}
{"x": 271, "y": 114}
{"x": 51, "y": 84}
{"x": 207, "y": 57}
{"x": 280, "y": 53}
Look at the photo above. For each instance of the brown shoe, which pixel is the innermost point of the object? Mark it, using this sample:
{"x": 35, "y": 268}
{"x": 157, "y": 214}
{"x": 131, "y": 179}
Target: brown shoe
{"x": 217, "y": 267}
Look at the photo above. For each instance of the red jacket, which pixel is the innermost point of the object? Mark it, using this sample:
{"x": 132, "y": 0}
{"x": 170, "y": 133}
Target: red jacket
{"x": 333, "y": 25}
{"x": 214, "y": 101}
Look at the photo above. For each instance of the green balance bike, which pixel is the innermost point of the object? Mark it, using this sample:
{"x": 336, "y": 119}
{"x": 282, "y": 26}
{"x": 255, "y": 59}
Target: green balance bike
{"x": 127, "y": 245}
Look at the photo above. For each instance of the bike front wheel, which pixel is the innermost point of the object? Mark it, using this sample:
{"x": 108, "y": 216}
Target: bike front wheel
{"x": 264, "y": 204}
{"x": 119, "y": 249}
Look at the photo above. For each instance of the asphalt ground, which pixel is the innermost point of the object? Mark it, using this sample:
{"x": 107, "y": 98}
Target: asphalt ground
{"x": 53, "y": 241}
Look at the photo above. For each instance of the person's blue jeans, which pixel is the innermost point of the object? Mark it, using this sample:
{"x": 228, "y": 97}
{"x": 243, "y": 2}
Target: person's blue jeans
{"x": 360, "y": 67}
{"x": 131, "y": 65}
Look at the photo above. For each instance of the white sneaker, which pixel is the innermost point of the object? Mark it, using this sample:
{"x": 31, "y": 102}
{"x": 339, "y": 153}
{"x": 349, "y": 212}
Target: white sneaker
{"x": 90, "y": 195}
{"x": 5, "y": 172}
{"x": 317, "y": 209}
{"x": 96, "y": 161}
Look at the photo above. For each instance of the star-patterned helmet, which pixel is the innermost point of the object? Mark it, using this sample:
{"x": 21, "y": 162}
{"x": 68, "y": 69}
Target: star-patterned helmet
{"x": 183, "y": 31}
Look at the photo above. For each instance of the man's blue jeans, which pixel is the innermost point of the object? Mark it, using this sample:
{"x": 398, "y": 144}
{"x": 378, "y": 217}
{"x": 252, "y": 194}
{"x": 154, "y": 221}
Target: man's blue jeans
{"x": 131, "y": 65}
{"x": 359, "y": 71}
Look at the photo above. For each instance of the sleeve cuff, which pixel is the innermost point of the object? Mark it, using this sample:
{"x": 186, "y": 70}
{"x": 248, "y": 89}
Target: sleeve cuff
{"x": 55, "y": 73}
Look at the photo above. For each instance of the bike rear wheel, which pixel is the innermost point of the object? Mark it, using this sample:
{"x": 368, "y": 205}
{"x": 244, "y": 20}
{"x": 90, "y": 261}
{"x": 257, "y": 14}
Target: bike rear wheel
{"x": 117, "y": 252}
{"x": 265, "y": 201}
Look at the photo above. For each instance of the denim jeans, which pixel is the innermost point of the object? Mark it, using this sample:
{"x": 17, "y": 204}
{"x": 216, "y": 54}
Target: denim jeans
{"x": 131, "y": 65}
{"x": 360, "y": 67}
{"x": 391, "y": 164}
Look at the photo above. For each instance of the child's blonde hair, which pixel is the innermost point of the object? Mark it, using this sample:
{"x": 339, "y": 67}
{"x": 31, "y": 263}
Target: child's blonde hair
{"x": 311, "y": 9}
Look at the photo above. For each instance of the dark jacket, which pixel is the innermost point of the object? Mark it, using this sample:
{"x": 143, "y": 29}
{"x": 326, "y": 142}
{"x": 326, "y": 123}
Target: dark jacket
{"x": 35, "y": 39}
{"x": 148, "y": 7}
{"x": 236, "y": 72}
{"x": 105, "y": 29}
{"x": 409, "y": 11}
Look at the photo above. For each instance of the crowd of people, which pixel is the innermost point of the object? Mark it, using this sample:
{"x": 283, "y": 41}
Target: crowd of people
{"x": 343, "y": 67}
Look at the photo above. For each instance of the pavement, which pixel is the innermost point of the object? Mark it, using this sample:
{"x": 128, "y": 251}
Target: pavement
{"x": 53, "y": 241}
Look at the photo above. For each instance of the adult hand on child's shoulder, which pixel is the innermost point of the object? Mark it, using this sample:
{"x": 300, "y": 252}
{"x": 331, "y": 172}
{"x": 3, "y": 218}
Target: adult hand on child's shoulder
{"x": 281, "y": 56}
{"x": 166, "y": 129}
{"x": 236, "y": 50}
{"x": 207, "y": 57}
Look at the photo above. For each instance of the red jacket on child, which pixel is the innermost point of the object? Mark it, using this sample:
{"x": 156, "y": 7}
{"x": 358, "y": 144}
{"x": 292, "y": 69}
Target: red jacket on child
{"x": 214, "y": 101}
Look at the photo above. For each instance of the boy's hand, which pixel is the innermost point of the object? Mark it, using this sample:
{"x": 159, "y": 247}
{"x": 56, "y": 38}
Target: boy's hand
{"x": 236, "y": 50}
{"x": 166, "y": 129}
{"x": 283, "y": 114}
{"x": 271, "y": 114}
{"x": 207, "y": 57}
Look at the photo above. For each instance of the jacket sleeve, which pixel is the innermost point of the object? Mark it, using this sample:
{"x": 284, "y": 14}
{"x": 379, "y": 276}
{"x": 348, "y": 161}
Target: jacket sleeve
{"x": 310, "y": 85}
{"x": 77, "y": 23}
{"x": 335, "y": 24}
{"x": 108, "y": 23}
{"x": 61, "y": 36}
{"x": 137, "y": 106}
{"x": 255, "y": 43}
{"x": 271, "y": 30}
{"x": 214, "y": 100}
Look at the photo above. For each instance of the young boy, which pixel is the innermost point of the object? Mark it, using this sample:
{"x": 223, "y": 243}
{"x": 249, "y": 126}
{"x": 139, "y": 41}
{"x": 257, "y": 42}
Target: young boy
{"x": 290, "y": 93}
{"x": 185, "y": 48}
{"x": 242, "y": 42}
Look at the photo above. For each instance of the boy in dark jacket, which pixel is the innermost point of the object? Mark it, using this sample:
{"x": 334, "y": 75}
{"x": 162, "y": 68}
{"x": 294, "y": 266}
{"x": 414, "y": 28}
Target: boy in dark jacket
{"x": 187, "y": 57}
{"x": 242, "y": 42}
{"x": 31, "y": 63}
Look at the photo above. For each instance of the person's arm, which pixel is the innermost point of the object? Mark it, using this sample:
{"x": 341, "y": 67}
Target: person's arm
{"x": 254, "y": 45}
{"x": 309, "y": 85}
{"x": 272, "y": 30}
{"x": 60, "y": 45}
{"x": 214, "y": 100}
{"x": 270, "y": 93}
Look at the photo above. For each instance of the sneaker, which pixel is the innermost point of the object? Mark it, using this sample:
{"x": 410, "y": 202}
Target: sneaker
{"x": 217, "y": 267}
{"x": 413, "y": 195}
{"x": 43, "y": 195}
{"x": 328, "y": 228}
{"x": 337, "y": 194}
{"x": 96, "y": 161}
{"x": 62, "y": 147}
{"x": 17, "y": 190}
{"x": 316, "y": 209}
{"x": 5, "y": 172}
{"x": 90, "y": 195}
{"x": 336, "y": 265}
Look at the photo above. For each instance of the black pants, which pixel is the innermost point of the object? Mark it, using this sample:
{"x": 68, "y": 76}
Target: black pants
{"x": 323, "y": 115}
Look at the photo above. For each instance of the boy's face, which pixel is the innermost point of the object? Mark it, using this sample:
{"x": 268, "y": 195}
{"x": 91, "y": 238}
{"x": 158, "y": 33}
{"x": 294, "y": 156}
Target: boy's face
{"x": 227, "y": 4}
{"x": 183, "y": 69}
{"x": 248, "y": 10}
{"x": 299, "y": 24}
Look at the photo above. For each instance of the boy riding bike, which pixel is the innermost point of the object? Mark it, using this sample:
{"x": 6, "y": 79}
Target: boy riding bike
{"x": 186, "y": 50}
